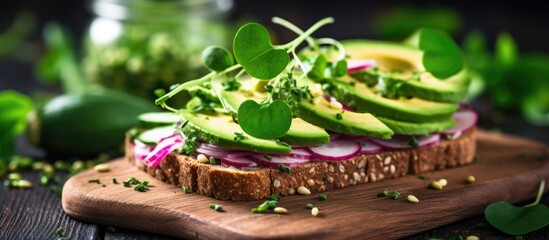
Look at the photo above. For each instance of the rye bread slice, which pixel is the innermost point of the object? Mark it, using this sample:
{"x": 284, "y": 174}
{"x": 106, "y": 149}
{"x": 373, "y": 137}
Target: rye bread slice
{"x": 239, "y": 184}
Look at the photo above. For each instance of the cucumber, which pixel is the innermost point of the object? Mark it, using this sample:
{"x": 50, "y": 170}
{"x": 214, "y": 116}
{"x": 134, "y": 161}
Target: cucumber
{"x": 152, "y": 136}
{"x": 157, "y": 119}
{"x": 85, "y": 124}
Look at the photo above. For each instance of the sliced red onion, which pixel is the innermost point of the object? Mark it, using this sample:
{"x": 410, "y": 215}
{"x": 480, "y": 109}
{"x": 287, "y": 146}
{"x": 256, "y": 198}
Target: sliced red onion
{"x": 162, "y": 149}
{"x": 465, "y": 119}
{"x": 141, "y": 150}
{"x": 337, "y": 150}
{"x": 215, "y": 148}
{"x": 238, "y": 162}
{"x": 404, "y": 142}
{"x": 238, "y": 154}
{"x": 368, "y": 147}
{"x": 359, "y": 64}
{"x": 213, "y": 153}
{"x": 273, "y": 161}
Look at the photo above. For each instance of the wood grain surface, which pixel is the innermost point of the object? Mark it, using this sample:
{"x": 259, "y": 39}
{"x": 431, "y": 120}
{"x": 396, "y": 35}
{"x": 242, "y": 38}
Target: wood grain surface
{"x": 508, "y": 169}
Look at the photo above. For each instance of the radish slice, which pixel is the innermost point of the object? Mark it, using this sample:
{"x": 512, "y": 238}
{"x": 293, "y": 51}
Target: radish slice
{"x": 273, "y": 161}
{"x": 367, "y": 147}
{"x": 351, "y": 137}
{"x": 162, "y": 149}
{"x": 216, "y": 148}
{"x": 465, "y": 119}
{"x": 238, "y": 162}
{"x": 334, "y": 136}
{"x": 297, "y": 153}
{"x": 404, "y": 142}
{"x": 337, "y": 150}
{"x": 141, "y": 150}
{"x": 239, "y": 154}
{"x": 359, "y": 64}
{"x": 213, "y": 153}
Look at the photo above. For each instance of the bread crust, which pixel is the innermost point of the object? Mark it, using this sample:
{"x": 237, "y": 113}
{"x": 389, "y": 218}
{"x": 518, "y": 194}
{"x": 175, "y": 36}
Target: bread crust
{"x": 229, "y": 183}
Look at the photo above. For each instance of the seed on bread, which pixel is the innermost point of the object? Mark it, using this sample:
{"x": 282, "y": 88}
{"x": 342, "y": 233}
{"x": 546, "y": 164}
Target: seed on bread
{"x": 303, "y": 190}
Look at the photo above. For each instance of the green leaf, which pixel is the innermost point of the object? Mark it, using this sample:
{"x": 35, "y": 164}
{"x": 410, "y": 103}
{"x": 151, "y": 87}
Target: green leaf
{"x": 518, "y": 220}
{"x": 315, "y": 67}
{"x": 339, "y": 68}
{"x": 267, "y": 120}
{"x": 13, "y": 108}
{"x": 442, "y": 57}
{"x": 254, "y": 51}
{"x": 506, "y": 50}
{"x": 217, "y": 58}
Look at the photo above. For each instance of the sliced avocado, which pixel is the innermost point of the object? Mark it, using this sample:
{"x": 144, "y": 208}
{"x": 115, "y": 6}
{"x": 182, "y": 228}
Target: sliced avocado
{"x": 423, "y": 128}
{"x": 219, "y": 129}
{"x": 300, "y": 133}
{"x": 401, "y": 64}
{"x": 321, "y": 114}
{"x": 365, "y": 99}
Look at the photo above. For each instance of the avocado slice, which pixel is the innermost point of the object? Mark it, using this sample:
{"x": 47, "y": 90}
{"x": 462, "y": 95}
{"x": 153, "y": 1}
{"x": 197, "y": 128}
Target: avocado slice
{"x": 300, "y": 133}
{"x": 407, "y": 61}
{"x": 320, "y": 113}
{"x": 364, "y": 99}
{"x": 423, "y": 128}
{"x": 219, "y": 129}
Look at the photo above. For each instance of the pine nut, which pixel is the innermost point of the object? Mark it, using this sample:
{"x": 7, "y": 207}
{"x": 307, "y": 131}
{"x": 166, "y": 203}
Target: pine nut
{"x": 472, "y": 237}
{"x": 280, "y": 210}
{"x": 102, "y": 167}
{"x": 443, "y": 182}
{"x": 303, "y": 190}
{"x": 436, "y": 185}
{"x": 470, "y": 179}
{"x": 315, "y": 211}
{"x": 412, "y": 199}
{"x": 202, "y": 158}
{"x": 24, "y": 184}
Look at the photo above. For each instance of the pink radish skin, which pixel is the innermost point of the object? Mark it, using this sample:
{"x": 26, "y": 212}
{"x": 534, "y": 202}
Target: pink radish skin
{"x": 238, "y": 162}
{"x": 359, "y": 64}
{"x": 404, "y": 142}
{"x": 465, "y": 119}
{"x": 276, "y": 160}
{"x": 337, "y": 150}
{"x": 368, "y": 147}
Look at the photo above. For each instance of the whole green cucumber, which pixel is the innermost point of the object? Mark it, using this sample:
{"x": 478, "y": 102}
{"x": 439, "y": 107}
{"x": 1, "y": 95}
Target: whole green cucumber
{"x": 84, "y": 124}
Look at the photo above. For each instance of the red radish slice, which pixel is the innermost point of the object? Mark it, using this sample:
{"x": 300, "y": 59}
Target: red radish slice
{"x": 162, "y": 149}
{"x": 297, "y": 153}
{"x": 367, "y": 147}
{"x": 404, "y": 142}
{"x": 359, "y": 64}
{"x": 465, "y": 119}
{"x": 215, "y": 148}
{"x": 337, "y": 150}
{"x": 238, "y": 162}
{"x": 273, "y": 161}
{"x": 351, "y": 137}
{"x": 213, "y": 153}
{"x": 239, "y": 154}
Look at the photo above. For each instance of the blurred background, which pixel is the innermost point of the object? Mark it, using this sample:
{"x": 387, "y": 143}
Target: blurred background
{"x": 137, "y": 46}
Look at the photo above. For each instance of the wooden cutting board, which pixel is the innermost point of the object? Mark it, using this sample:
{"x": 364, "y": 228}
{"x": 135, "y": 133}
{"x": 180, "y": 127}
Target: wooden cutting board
{"x": 508, "y": 168}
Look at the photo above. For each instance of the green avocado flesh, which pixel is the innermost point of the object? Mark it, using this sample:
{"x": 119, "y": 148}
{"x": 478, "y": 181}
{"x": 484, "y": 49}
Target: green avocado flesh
{"x": 399, "y": 63}
{"x": 300, "y": 133}
{"x": 423, "y": 128}
{"x": 365, "y": 99}
{"x": 219, "y": 129}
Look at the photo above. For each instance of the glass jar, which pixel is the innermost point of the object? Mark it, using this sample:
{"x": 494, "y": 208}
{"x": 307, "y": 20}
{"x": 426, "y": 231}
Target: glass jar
{"x": 138, "y": 46}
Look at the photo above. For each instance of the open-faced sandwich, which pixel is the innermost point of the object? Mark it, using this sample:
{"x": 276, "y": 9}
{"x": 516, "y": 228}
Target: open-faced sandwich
{"x": 332, "y": 115}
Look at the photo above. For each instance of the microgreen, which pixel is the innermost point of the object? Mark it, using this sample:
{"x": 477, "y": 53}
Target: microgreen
{"x": 442, "y": 57}
{"x": 239, "y": 136}
{"x": 518, "y": 220}
{"x": 13, "y": 108}
{"x": 253, "y": 118}
{"x": 284, "y": 168}
{"x": 217, "y": 58}
{"x": 315, "y": 67}
{"x": 230, "y": 85}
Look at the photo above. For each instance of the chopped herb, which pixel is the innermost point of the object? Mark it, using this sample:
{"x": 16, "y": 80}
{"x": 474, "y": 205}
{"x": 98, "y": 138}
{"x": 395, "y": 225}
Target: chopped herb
{"x": 59, "y": 231}
{"x": 212, "y": 161}
{"x": 45, "y": 180}
{"x": 284, "y": 168}
{"x": 274, "y": 197}
{"x": 186, "y": 189}
{"x": 239, "y": 136}
{"x": 110, "y": 229}
{"x": 216, "y": 207}
{"x": 56, "y": 190}
{"x": 268, "y": 157}
{"x": 114, "y": 181}
{"x": 281, "y": 143}
{"x": 384, "y": 193}
{"x": 448, "y": 136}
{"x": 62, "y": 238}
{"x": 413, "y": 142}
{"x": 190, "y": 145}
{"x": 94, "y": 181}
{"x": 339, "y": 116}
{"x": 231, "y": 85}
{"x": 309, "y": 206}
{"x": 322, "y": 197}
{"x": 477, "y": 158}
{"x": 141, "y": 187}
{"x": 269, "y": 204}
{"x": 395, "y": 195}
{"x": 422, "y": 177}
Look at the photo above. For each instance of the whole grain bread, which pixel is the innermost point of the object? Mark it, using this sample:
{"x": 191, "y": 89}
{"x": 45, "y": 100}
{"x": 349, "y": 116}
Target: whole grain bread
{"x": 229, "y": 183}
